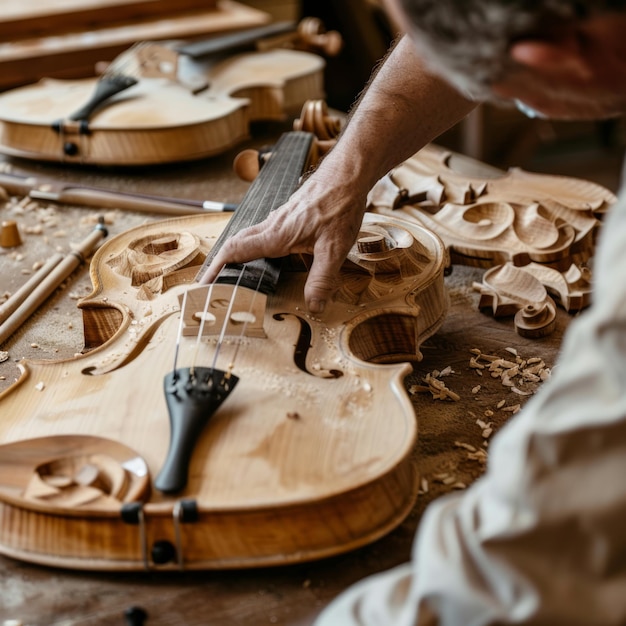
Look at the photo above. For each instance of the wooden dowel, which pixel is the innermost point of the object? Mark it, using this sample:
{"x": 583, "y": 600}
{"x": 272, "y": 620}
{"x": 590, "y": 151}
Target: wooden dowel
{"x": 47, "y": 286}
{"x": 24, "y": 291}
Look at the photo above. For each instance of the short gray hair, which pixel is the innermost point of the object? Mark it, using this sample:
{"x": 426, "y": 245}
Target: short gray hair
{"x": 467, "y": 40}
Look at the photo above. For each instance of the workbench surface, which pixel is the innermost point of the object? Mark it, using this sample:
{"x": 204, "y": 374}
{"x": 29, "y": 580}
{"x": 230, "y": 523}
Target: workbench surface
{"x": 294, "y": 595}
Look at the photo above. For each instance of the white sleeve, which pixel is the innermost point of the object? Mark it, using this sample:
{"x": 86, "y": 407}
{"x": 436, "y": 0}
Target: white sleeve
{"x": 540, "y": 539}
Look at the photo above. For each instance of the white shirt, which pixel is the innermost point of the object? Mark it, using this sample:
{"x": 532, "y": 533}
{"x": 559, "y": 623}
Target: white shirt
{"x": 540, "y": 539}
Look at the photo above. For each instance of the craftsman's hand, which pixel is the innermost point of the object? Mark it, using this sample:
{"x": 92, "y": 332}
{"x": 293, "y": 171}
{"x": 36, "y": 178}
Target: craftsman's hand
{"x": 321, "y": 218}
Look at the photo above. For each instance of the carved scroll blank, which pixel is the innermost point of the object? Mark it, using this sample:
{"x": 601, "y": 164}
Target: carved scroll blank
{"x": 523, "y": 292}
{"x": 495, "y": 217}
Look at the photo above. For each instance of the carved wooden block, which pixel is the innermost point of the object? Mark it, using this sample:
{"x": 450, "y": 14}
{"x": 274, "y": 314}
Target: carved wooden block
{"x": 513, "y": 216}
{"x": 535, "y": 233}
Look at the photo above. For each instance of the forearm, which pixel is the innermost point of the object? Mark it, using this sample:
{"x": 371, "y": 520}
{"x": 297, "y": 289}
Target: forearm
{"x": 403, "y": 108}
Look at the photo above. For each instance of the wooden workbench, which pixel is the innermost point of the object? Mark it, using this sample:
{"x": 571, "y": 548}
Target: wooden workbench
{"x": 293, "y": 595}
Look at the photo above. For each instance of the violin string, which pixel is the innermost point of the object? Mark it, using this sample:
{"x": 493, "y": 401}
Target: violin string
{"x": 245, "y": 324}
{"x": 259, "y": 202}
{"x": 231, "y": 303}
{"x": 180, "y": 333}
{"x": 280, "y": 176}
{"x": 201, "y": 329}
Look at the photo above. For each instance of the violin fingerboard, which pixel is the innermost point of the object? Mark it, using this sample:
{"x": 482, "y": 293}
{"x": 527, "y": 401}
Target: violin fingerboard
{"x": 276, "y": 181}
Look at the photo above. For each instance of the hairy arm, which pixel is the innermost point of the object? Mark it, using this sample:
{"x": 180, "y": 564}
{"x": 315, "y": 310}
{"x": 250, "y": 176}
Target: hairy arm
{"x": 403, "y": 108}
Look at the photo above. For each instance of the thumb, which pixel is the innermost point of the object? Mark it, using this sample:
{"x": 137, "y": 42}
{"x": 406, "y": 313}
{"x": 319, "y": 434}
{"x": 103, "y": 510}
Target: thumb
{"x": 321, "y": 284}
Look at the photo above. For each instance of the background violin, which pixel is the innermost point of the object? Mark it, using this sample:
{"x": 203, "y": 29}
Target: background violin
{"x": 161, "y": 104}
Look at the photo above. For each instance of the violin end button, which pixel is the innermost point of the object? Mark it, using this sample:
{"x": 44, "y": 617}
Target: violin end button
{"x": 135, "y": 616}
{"x": 70, "y": 148}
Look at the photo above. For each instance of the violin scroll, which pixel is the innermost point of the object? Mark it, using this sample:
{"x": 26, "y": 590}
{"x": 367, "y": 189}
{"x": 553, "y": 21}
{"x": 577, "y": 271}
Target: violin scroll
{"x": 315, "y": 37}
{"x": 314, "y": 118}
{"x": 310, "y": 35}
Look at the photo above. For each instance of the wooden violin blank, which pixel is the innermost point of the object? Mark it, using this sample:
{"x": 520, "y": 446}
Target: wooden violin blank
{"x": 309, "y": 456}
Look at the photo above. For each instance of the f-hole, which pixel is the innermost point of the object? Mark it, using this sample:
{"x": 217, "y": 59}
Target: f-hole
{"x": 302, "y": 347}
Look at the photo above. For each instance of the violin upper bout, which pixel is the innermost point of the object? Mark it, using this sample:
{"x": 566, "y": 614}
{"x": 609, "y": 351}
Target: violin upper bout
{"x": 394, "y": 282}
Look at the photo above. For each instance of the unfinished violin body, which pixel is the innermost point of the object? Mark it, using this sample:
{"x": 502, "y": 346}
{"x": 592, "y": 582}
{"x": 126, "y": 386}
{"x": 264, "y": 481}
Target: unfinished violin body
{"x": 157, "y": 118}
{"x": 308, "y": 453}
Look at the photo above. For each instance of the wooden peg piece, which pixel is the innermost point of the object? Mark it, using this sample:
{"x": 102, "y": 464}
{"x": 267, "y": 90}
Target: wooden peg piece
{"x": 10, "y": 235}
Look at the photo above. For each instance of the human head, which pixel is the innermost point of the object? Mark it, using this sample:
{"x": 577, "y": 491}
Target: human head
{"x": 566, "y": 58}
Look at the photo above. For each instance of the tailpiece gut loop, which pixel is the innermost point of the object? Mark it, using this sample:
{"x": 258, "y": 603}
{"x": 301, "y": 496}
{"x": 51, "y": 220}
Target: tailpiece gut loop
{"x": 193, "y": 395}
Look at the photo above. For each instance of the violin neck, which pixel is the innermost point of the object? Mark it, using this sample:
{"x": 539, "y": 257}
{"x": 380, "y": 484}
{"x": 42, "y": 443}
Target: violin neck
{"x": 276, "y": 181}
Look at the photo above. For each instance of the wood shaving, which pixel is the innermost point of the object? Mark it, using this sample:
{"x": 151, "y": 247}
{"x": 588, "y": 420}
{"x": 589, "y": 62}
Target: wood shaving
{"x": 466, "y": 446}
{"x": 475, "y": 364}
{"x": 479, "y": 455}
{"x": 514, "y": 408}
{"x": 437, "y": 388}
{"x": 512, "y": 375}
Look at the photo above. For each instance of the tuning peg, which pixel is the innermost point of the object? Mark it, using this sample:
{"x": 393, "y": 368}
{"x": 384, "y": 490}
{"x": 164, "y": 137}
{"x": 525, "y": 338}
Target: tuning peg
{"x": 248, "y": 163}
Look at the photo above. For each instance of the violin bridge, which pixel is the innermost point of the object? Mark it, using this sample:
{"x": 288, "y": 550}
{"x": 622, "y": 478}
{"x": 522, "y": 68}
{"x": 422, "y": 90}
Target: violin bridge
{"x": 238, "y": 309}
